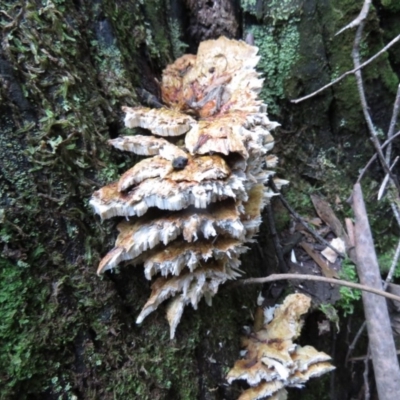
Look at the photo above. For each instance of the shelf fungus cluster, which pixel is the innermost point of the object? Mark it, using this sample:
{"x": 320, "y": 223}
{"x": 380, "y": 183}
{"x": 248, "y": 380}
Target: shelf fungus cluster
{"x": 272, "y": 361}
{"x": 194, "y": 203}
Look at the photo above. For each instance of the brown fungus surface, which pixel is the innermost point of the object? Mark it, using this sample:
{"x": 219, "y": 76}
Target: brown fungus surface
{"x": 194, "y": 203}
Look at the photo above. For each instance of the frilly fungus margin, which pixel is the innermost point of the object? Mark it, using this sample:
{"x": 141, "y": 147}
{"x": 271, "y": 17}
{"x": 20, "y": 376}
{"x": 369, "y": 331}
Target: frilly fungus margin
{"x": 191, "y": 207}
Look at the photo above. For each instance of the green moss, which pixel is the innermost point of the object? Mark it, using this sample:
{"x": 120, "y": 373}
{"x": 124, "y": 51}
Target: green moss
{"x": 178, "y": 46}
{"x": 66, "y": 333}
{"x": 279, "y": 52}
{"x": 157, "y": 34}
{"x": 69, "y": 80}
{"x": 247, "y": 5}
{"x": 346, "y": 94}
{"x": 20, "y": 352}
{"x": 278, "y": 41}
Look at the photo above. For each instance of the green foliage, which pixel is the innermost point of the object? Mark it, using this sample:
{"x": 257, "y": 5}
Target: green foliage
{"x": 330, "y": 312}
{"x": 392, "y": 5}
{"x": 348, "y": 296}
{"x": 385, "y": 261}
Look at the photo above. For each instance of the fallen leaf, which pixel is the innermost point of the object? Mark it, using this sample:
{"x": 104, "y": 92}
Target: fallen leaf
{"x": 330, "y": 254}
{"x": 325, "y": 269}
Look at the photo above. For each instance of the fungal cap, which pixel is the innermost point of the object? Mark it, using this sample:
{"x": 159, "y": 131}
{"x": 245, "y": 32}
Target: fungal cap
{"x": 147, "y": 146}
{"x": 160, "y": 121}
{"x": 165, "y": 194}
{"x": 261, "y": 391}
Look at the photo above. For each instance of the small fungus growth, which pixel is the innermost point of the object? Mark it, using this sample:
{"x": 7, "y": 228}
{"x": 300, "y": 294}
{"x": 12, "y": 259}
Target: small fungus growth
{"x": 192, "y": 205}
{"x": 272, "y": 361}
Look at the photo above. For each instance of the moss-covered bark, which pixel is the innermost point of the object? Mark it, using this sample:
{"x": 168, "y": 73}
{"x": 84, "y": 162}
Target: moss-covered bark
{"x": 66, "y": 68}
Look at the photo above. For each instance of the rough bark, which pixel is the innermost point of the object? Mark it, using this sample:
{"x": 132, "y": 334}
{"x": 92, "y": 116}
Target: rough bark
{"x": 67, "y": 66}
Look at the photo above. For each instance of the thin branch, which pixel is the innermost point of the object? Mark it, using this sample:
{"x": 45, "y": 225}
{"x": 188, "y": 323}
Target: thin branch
{"x": 355, "y": 340}
{"x": 373, "y": 158}
{"x": 305, "y": 277}
{"x": 390, "y": 44}
{"x": 396, "y": 211}
{"x": 361, "y": 17}
{"x": 386, "y": 180}
{"x": 393, "y": 121}
{"x": 385, "y": 285}
{"x": 301, "y": 221}
{"x": 8, "y": 16}
{"x": 362, "y": 358}
{"x": 364, "y": 105}
{"x": 395, "y": 260}
{"x": 367, "y": 394}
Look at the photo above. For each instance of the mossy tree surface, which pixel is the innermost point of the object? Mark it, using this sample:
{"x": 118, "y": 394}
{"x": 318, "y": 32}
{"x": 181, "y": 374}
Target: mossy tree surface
{"x": 66, "y": 68}
{"x": 324, "y": 141}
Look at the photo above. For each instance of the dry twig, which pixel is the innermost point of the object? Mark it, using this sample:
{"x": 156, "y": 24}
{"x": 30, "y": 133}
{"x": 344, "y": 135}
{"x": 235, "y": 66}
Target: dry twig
{"x": 373, "y": 158}
{"x": 362, "y": 358}
{"x": 381, "y": 342}
{"x": 361, "y": 17}
{"x": 305, "y": 277}
{"x": 390, "y": 44}
{"x": 392, "y": 267}
{"x": 301, "y": 221}
{"x": 385, "y": 285}
{"x": 367, "y": 394}
{"x": 364, "y": 105}
{"x": 393, "y": 121}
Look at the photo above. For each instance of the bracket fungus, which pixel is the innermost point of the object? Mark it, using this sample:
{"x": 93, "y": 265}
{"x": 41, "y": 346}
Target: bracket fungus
{"x": 273, "y": 361}
{"x": 193, "y": 204}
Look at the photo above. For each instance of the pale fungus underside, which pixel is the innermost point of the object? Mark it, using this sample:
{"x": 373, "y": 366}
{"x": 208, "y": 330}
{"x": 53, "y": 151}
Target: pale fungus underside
{"x": 273, "y": 361}
{"x": 191, "y": 206}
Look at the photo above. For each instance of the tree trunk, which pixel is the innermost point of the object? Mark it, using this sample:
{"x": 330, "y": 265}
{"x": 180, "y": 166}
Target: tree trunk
{"x": 67, "y": 67}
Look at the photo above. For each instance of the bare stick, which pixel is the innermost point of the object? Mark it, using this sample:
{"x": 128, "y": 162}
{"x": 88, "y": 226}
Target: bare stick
{"x": 390, "y": 44}
{"x": 396, "y": 211}
{"x": 367, "y": 394}
{"x": 301, "y": 221}
{"x": 395, "y": 115}
{"x": 364, "y": 105}
{"x": 385, "y": 285}
{"x": 350, "y": 245}
{"x": 373, "y": 158}
{"x": 374, "y": 136}
{"x": 386, "y": 180}
{"x": 392, "y": 267}
{"x": 306, "y": 277}
{"x": 355, "y": 340}
{"x": 382, "y": 347}
{"x": 362, "y": 358}
{"x": 361, "y": 17}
